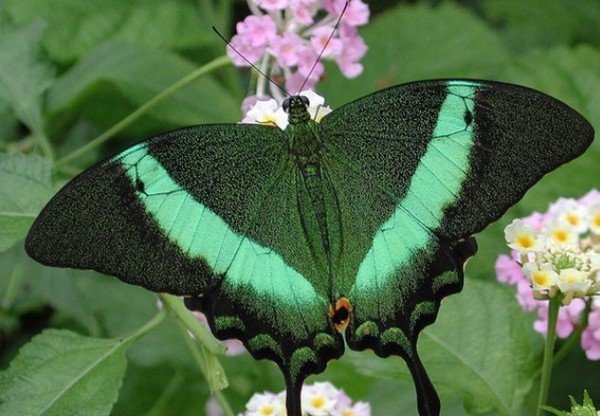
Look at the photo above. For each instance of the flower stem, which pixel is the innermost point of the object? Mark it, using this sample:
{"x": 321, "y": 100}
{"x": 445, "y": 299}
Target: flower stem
{"x": 553, "y": 307}
{"x": 111, "y": 132}
{"x": 575, "y": 337}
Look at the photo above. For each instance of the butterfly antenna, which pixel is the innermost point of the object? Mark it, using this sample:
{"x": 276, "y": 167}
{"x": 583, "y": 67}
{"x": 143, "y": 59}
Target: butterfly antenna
{"x": 250, "y": 63}
{"x": 335, "y": 28}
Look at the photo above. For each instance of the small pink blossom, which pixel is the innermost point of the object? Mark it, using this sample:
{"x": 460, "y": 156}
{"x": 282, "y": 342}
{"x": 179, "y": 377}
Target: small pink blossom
{"x": 257, "y": 30}
{"x": 536, "y": 220}
{"x": 213, "y": 408}
{"x": 302, "y": 13}
{"x": 525, "y": 296}
{"x": 245, "y": 49}
{"x": 354, "y": 49}
{"x": 251, "y": 101}
{"x": 508, "y": 270}
{"x": 319, "y": 39}
{"x": 286, "y": 49}
{"x": 284, "y": 39}
{"x": 568, "y": 317}
{"x": 272, "y": 4}
{"x": 344, "y": 406}
{"x": 590, "y": 338}
{"x": 357, "y": 13}
{"x": 592, "y": 197}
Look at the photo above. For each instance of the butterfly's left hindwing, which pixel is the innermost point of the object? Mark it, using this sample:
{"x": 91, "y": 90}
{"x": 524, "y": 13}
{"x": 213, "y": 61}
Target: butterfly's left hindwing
{"x": 418, "y": 169}
{"x": 209, "y": 212}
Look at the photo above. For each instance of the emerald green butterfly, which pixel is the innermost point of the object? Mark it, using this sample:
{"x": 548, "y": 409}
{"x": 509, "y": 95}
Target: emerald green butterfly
{"x": 357, "y": 225}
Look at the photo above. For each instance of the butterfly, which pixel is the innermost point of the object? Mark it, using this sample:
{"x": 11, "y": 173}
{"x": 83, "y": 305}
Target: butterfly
{"x": 291, "y": 240}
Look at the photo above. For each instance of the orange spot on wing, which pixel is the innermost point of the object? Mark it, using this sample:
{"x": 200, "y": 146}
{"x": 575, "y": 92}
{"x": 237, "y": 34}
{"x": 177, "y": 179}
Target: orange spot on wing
{"x": 340, "y": 313}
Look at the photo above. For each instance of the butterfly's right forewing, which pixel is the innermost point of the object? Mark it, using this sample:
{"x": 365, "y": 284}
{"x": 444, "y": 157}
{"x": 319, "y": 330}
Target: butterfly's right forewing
{"x": 209, "y": 212}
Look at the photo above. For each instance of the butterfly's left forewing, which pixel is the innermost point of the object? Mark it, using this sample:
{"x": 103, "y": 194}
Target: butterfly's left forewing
{"x": 209, "y": 212}
{"x": 418, "y": 169}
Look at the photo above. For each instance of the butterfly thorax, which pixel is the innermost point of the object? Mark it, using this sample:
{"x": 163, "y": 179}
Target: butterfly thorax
{"x": 305, "y": 150}
{"x": 302, "y": 135}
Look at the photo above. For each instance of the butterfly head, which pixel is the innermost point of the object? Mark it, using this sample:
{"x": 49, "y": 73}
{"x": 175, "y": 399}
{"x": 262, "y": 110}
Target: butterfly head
{"x": 297, "y": 108}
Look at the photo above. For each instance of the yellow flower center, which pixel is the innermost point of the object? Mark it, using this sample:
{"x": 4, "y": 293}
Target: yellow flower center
{"x": 269, "y": 119}
{"x": 541, "y": 278}
{"x": 573, "y": 219}
{"x": 318, "y": 402}
{"x": 596, "y": 220}
{"x": 267, "y": 410}
{"x": 348, "y": 413}
{"x": 525, "y": 241}
{"x": 561, "y": 235}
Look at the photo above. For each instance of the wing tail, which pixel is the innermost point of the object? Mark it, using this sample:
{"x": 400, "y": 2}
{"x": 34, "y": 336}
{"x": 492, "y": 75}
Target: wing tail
{"x": 427, "y": 398}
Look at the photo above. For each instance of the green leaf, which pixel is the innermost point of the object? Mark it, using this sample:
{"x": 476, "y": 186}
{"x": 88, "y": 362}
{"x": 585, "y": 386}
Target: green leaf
{"x": 117, "y": 78}
{"x": 158, "y": 391}
{"x": 23, "y": 76}
{"x": 410, "y": 43}
{"x": 60, "y": 373}
{"x": 535, "y": 23}
{"x": 480, "y": 348}
{"x": 75, "y": 27}
{"x": 26, "y": 187}
{"x": 585, "y": 409}
{"x": 9, "y": 124}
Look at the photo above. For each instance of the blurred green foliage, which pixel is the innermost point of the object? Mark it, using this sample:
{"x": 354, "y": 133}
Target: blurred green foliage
{"x": 70, "y": 69}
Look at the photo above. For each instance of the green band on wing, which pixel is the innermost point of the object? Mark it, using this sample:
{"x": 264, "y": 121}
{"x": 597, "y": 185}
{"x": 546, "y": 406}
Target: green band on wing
{"x": 200, "y": 233}
{"x": 435, "y": 184}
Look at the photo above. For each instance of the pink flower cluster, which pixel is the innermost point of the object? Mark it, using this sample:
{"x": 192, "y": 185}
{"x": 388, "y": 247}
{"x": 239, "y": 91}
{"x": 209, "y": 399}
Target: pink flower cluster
{"x": 284, "y": 38}
{"x": 510, "y": 271}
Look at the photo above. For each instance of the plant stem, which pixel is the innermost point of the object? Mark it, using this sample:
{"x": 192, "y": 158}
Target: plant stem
{"x": 44, "y": 143}
{"x": 11, "y": 289}
{"x": 200, "y": 356}
{"x": 183, "y": 315}
{"x": 111, "y": 132}
{"x": 574, "y": 339}
{"x": 150, "y": 325}
{"x": 553, "y": 307}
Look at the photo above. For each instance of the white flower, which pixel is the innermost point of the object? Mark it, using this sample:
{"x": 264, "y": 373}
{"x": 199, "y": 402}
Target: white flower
{"x": 575, "y": 216}
{"x": 561, "y": 235}
{"x": 359, "y": 409}
{"x": 573, "y": 280}
{"x": 267, "y": 112}
{"x": 594, "y": 218}
{"x": 594, "y": 259}
{"x": 523, "y": 238}
{"x": 316, "y": 108}
{"x": 319, "y": 399}
{"x": 266, "y": 404}
{"x": 561, "y": 206}
{"x": 542, "y": 277}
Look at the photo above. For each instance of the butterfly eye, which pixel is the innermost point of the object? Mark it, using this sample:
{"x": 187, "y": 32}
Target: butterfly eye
{"x": 305, "y": 101}
{"x": 286, "y": 105}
